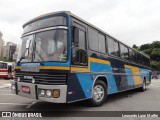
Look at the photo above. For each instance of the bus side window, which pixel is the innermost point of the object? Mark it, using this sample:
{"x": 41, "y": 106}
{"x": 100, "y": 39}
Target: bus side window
{"x": 79, "y": 54}
{"x": 124, "y": 52}
{"x": 113, "y": 47}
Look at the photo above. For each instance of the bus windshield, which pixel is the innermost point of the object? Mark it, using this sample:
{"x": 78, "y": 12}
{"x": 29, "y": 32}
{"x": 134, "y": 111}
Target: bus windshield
{"x": 45, "y": 46}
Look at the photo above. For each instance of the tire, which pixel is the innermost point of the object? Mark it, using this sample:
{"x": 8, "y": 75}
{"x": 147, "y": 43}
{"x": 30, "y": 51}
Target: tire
{"x": 98, "y": 98}
{"x": 143, "y": 88}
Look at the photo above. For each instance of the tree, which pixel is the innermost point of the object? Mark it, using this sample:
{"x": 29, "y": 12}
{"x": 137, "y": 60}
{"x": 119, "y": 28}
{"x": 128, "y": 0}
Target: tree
{"x": 155, "y": 44}
{"x": 135, "y": 47}
{"x": 145, "y": 46}
{"x": 147, "y": 51}
{"x": 155, "y": 65}
{"x": 152, "y": 50}
{"x": 155, "y": 54}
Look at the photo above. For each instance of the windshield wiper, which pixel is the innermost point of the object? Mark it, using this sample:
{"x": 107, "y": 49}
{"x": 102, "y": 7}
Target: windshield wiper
{"x": 22, "y": 56}
{"x": 20, "y": 60}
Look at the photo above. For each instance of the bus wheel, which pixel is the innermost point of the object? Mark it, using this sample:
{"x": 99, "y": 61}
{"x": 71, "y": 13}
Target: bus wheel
{"x": 143, "y": 88}
{"x": 99, "y": 94}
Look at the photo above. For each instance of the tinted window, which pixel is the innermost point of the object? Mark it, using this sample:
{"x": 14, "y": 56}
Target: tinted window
{"x": 48, "y": 22}
{"x": 79, "y": 53}
{"x": 131, "y": 54}
{"x": 135, "y": 56}
{"x": 116, "y": 48}
{"x": 102, "y": 43}
{"x": 30, "y": 27}
{"x": 138, "y": 58}
{"x": 110, "y": 46}
{"x": 82, "y": 41}
{"x": 53, "y": 21}
{"x": 93, "y": 40}
{"x": 143, "y": 59}
{"x": 113, "y": 47}
{"x": 148, "y": 62}
{"x": 124, "y": 51}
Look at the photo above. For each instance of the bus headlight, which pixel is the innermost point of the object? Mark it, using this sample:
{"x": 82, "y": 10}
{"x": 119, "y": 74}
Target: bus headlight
{"x": 48, "y": 93}
{"x": 42, "y": 92}
{"x": 33, "y": 80}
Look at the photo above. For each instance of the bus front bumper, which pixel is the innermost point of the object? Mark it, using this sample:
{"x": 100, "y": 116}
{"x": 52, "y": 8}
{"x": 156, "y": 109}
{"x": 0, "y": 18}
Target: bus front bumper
{"x": 49, "y": 93}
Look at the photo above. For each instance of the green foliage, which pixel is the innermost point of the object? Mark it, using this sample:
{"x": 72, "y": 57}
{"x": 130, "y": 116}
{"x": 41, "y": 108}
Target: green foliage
{"x": 147, "y": 51}
{"x": 155, "y": 54}
{"x": 145, "y": 46}
{"x": 155, "y": 65}
{"x": 152, "y": 50}
{"x": 135, "y": 47}
{"x": 155, "y": 44}
{"x": 6, "y": 60}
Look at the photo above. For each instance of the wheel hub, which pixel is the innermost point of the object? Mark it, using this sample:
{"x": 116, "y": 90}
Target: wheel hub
{"x": 98, "y": 93}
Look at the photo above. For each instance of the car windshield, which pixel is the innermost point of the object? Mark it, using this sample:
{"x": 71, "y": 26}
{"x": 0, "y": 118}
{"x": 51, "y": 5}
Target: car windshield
{"x": 45, "y": 46}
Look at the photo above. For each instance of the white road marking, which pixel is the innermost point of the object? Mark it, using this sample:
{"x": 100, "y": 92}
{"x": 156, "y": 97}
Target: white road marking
{"x": 5, "y": 90}
{"x": 13, "y": 104}
{"x": 5, "y": 86}
{"x": 29, "y": 106}
{"x": 155, "y": 85}
{"x": 7, "y": 94}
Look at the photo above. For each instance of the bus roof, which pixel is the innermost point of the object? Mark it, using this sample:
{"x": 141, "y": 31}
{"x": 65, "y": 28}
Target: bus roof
{"x": 71, "y": 14}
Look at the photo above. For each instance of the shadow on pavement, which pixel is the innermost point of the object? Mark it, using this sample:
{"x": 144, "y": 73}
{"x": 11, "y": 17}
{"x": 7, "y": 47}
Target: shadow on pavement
{"x": 81, "y": 105}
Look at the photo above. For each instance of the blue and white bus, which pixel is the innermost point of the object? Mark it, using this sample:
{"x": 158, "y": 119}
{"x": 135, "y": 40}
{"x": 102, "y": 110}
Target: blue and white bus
{"x": 65, "y": 59}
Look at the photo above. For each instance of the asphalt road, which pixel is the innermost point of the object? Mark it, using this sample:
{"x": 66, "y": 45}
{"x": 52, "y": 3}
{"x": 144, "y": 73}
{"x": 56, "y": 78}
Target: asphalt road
{"x": 133, "y": 100}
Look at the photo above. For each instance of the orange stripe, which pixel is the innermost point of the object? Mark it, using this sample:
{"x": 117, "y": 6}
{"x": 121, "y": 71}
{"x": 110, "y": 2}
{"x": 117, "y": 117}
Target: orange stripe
{"x": 135, "y": 70}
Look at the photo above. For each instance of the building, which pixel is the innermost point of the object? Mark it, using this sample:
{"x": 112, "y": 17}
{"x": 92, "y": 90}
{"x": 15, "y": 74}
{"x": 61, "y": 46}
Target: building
{"x": 4, "y": 52}
{"x": 1, "y": 45}
{"x": 15, "y": 55}
{"x": 10, "y": 50}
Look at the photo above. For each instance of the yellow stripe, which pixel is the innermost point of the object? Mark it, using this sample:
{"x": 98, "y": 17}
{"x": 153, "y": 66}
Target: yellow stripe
{"x": 55, "y": 67}
{"x": 87, "y": 69}
{"x": 49, "y": 67}
{"x": 17, "y": 67}
{"x": 80, "y": 69}
{"x": 98, "y": 60}
{"x": 135, "y": 70}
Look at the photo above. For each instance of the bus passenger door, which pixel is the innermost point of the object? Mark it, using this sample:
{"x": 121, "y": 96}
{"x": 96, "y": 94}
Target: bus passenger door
{"x": 79, "y": 51}
{"x": 79, "y": 65}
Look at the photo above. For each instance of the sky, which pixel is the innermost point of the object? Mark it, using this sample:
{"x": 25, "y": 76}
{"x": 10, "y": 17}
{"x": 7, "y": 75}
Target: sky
{"x": 130, "y": 21}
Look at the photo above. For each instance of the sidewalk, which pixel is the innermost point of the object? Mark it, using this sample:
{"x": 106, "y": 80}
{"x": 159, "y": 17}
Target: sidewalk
{"x": 3, "y": 81}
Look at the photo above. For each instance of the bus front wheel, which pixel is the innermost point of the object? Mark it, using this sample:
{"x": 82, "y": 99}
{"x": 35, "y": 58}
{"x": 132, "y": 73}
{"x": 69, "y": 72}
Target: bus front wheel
{"x": 99, "y": 94}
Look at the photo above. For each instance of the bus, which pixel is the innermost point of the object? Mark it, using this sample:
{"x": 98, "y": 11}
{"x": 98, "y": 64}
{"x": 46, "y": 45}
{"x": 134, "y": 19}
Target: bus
{"x": 6, "y": 70}
{"x": 64, "y": 59}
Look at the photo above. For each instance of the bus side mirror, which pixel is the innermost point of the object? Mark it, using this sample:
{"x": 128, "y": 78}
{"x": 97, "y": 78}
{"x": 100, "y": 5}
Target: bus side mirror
{"x": 76, "y": 35}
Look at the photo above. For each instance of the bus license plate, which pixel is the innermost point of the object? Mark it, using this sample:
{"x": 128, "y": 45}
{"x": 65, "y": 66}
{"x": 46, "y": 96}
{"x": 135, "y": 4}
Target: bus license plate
{"x": 26, "y": 89}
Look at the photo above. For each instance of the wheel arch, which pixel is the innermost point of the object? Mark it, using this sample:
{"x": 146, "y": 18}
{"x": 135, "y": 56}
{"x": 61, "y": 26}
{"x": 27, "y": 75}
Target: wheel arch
{"x": 102, "y": 78}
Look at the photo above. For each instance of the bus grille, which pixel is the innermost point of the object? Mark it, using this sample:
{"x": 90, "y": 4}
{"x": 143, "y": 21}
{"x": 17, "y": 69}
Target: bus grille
{"x": 43, "y": 78}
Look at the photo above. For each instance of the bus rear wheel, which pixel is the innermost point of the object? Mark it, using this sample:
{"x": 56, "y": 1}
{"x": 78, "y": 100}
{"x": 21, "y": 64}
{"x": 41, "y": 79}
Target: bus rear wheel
{"x": 99, "y": 94}
{"x": 143, "y": 88}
